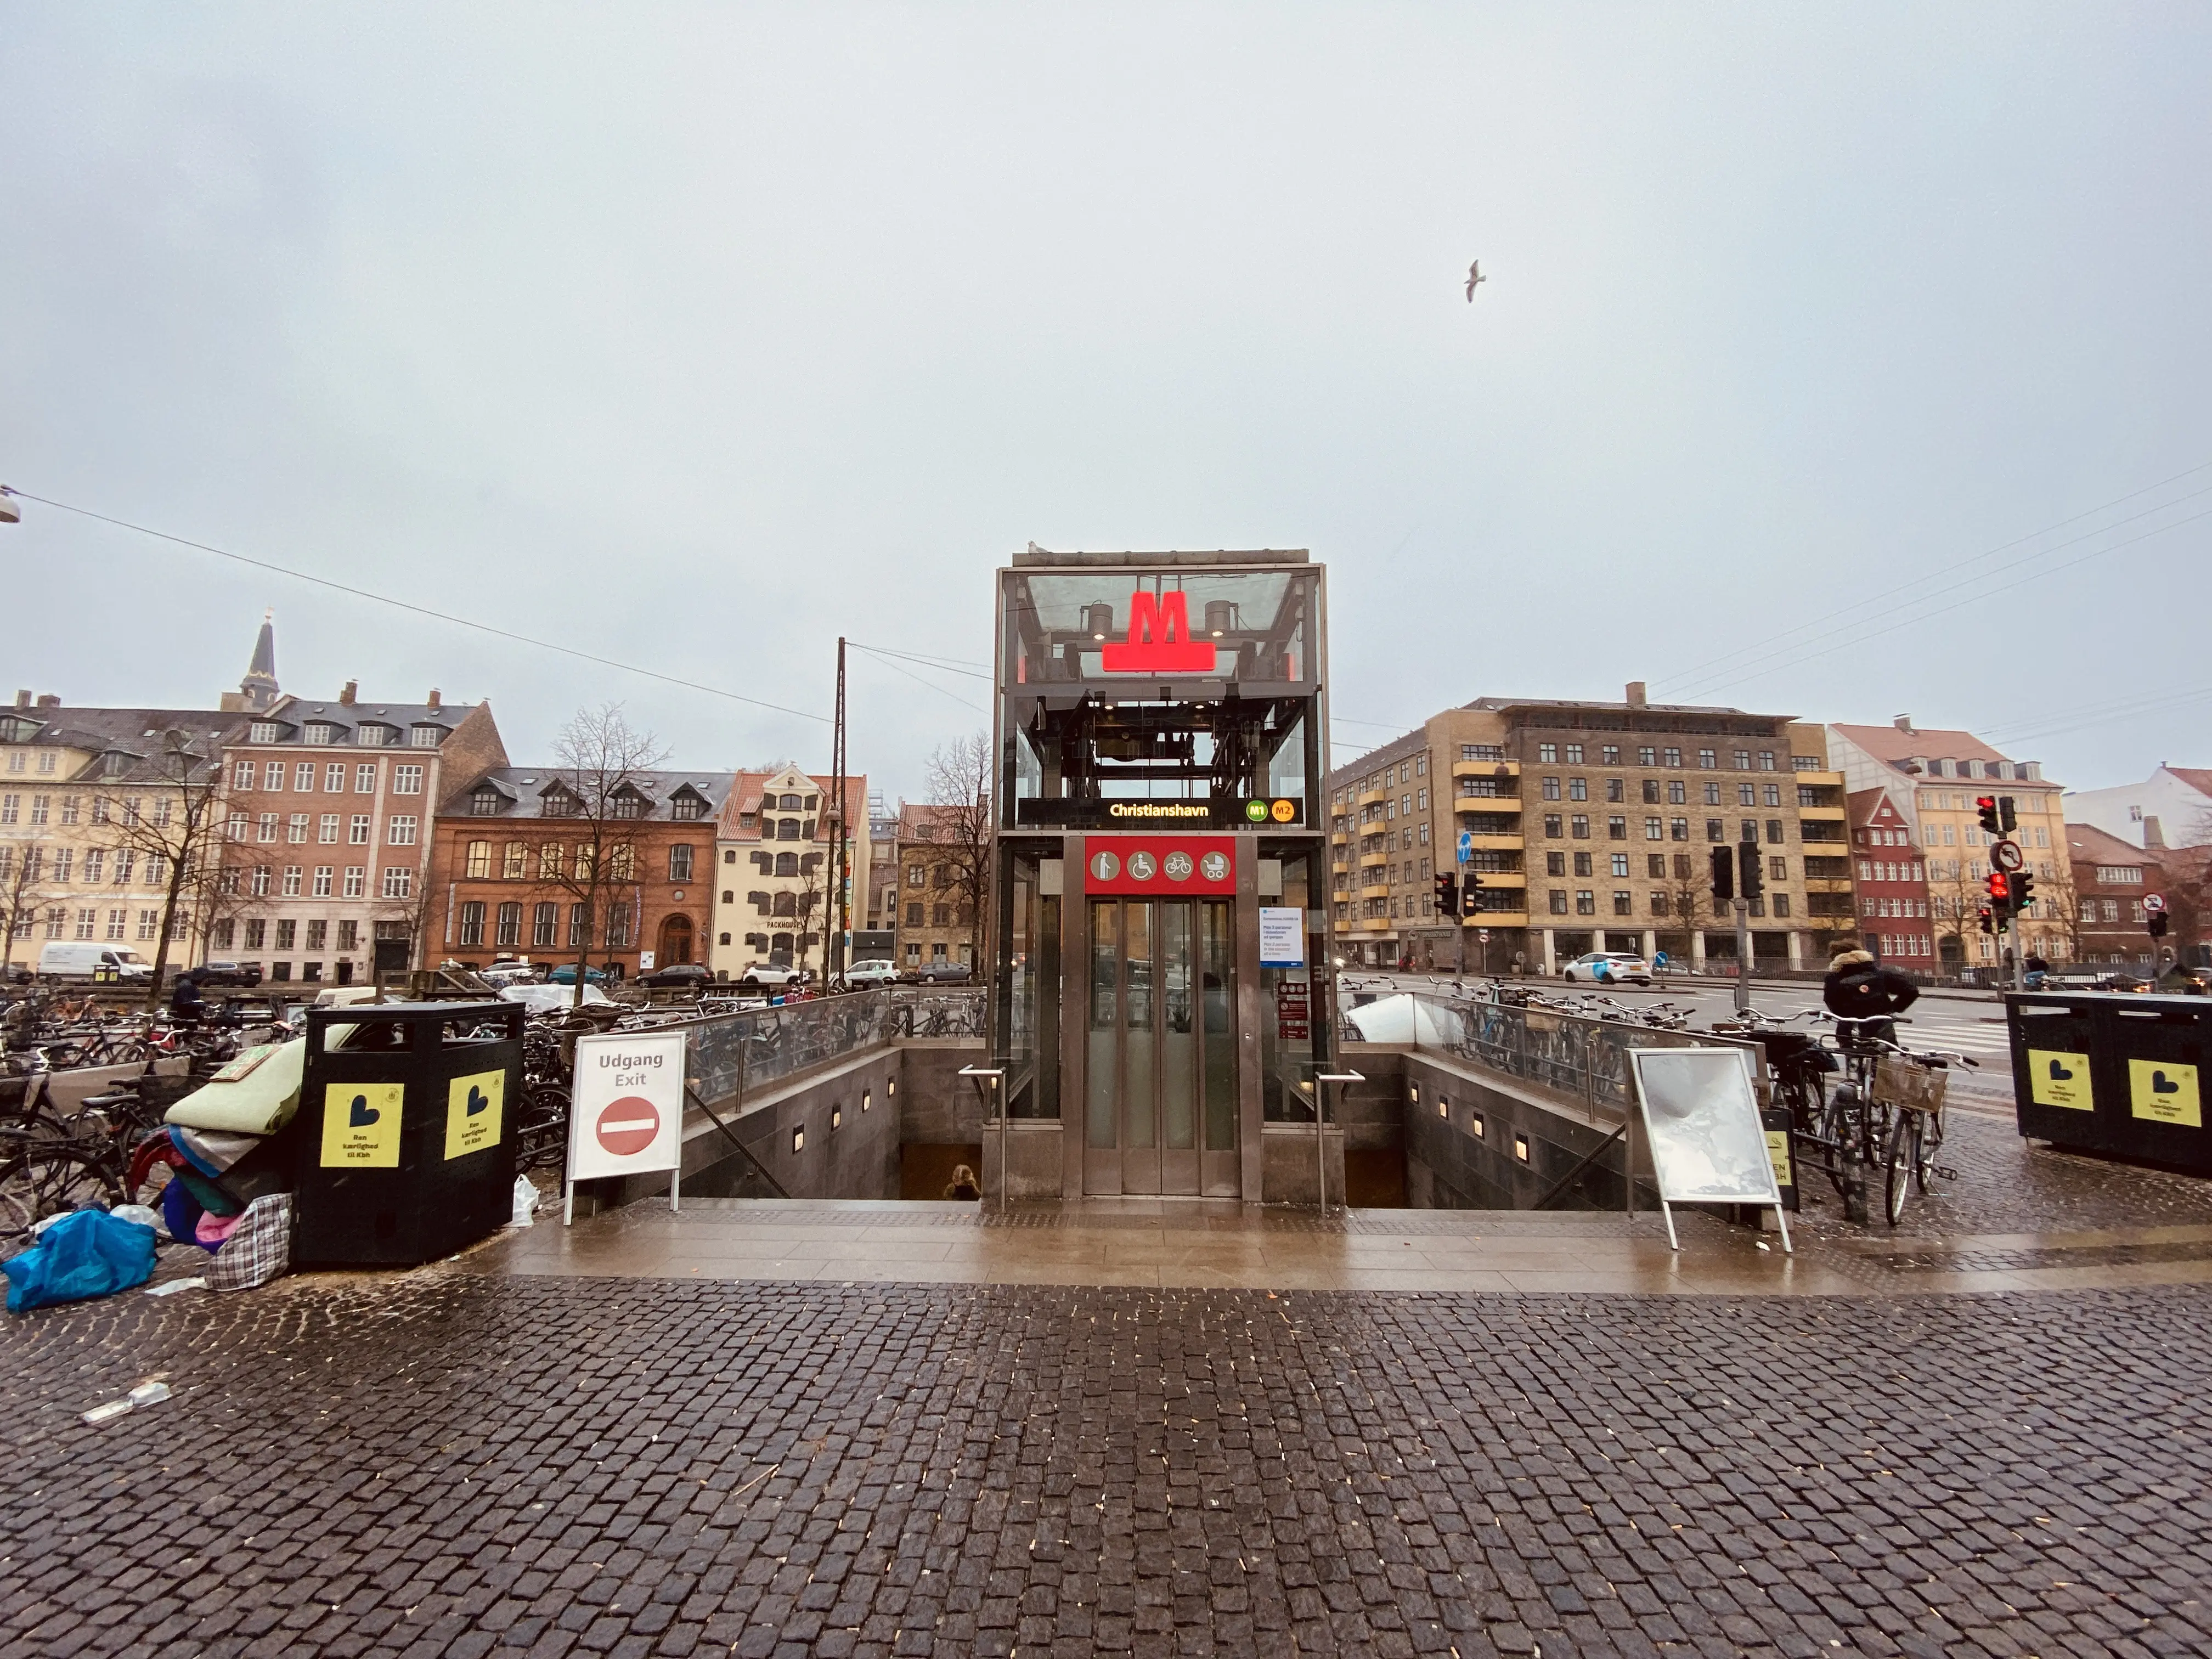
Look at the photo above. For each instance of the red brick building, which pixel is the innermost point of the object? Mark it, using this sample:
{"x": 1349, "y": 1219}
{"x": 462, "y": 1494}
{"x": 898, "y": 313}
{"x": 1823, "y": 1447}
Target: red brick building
{"x": 510, "y": 841}
{"x": 1890, "y": 883}
{"x": 2111, "y": 878}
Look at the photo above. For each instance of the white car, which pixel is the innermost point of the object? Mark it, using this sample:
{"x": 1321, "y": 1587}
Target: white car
{"x": 1621, "y": 967}
{"x": 69, "y": 959}
{"x": 767, "y": 973}
{"x": 544, "y": 999}
{"x": 868, "y": 976}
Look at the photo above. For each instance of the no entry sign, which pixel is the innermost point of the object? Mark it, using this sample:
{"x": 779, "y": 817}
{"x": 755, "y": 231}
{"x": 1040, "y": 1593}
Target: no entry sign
{"x": 626, "y": 1111}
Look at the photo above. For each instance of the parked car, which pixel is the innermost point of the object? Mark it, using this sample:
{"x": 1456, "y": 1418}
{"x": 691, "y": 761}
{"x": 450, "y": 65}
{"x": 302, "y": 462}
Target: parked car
{"x": 677, "y": 976}
{"x": 1621, "y": 967}
{"x": 243, "y": 974}
{"x": 565, "y": 974}
{"x": 770, "y": 973}
{"x": 939, "y": 973}
{"x": 510, "y": 971}
{"x": 870, "y": 975}
{"x": 71, "y": 959}
{"x": 544, "y": 999}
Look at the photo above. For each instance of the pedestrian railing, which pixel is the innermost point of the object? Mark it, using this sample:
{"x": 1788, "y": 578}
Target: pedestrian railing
{"x": 729, "y": 1056}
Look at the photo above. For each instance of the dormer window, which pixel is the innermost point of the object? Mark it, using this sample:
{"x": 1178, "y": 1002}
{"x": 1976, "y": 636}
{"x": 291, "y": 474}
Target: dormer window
{"x": 686, "y": 805}
{"x": 373, "y": 737}
{"x": 264, "y": 731}
{"x": 320, "y": 731}
{"x": 789, "y": 802}
{"x": 628, "y": 804}
{"x": 427, "y": 737}
{"x": 486, "y": 802}
{"x": 559, "y": 803}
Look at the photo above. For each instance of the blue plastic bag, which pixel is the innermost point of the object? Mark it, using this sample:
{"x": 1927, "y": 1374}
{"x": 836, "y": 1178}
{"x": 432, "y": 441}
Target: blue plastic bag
{"x": 85, "y": 1254}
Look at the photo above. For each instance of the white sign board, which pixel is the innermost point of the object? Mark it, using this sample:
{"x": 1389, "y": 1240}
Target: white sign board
{"x": 626, "y": 1110}
{"x": 1701, "y": 1121}
{"x": 1282, "y": 936}
{"x": 645, "y": 962}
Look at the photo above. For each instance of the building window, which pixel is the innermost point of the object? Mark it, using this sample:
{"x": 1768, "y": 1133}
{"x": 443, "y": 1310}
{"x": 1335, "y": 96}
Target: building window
{"x": 1609, "y": 756}
{"x": 485, "y": 803}
{"x": 287, "y": 933}
{"x": 96, "y": 864}
{"x": 258, "y": 884}
{"x": 514, "y": 861}
{"x": 1620, "y": 865}
{"x": 1767, "y": 760}
{"x": 618, "y": 926}
{"x": 149, "y": 924}
{"x": 545, "y": 925}
{"x": 426, "y": 736}
{"x": 326, "y": 832}
{"x": 1647, "y": 756}
{"x": 356, "y": 879}
{"x": 1616, "y": 828}
{"x": 1585, "y": 901}
{"x": 1548, "y": 753}
{"x": 406, "y": 779}
{"x": 1743, "y": 760}
{"x": 1582, "y": 865}
{"x": 1771, "y": 795}
{"x": 510, "y": 924}
{"x": 1578, "y": 788}
{"x": 323, "y": 873}
{"x": 1653, "y": 830}
{"x": 256, "y": 933}
{"x": 1553, "y": 826}
{"x": 1551, "y": 789}
{"x": 479, "y": 866}
{"x": 1707, "y": 759}
{"x": 364, "y": 778}
{"x": 1716, "y": 829}
{"x": 1747, "y": 794}
{"x": 1674, "y": 758}
{"x": 680, "y": 863}
{"x": 398, "y": 881}
{"x": 349, "y": 935}
{"x": 265, "y": 827}
{"x": 1624, "y": 903}
{"x": 1782, "y": 904}
{"x": 1581, "y": 826}
{"x": 295, "y": 829}
{"x": 1555, "y": 864}
{"x": 1559, "y": 901}
{"x": 1616, "y": 789}
{"x": 399, "y": 829}
{"x": 357, "y": 831}
{"x": 292, "y": 874}
{"x": 263, "y": 731}
{"x": 1774, "y": 833}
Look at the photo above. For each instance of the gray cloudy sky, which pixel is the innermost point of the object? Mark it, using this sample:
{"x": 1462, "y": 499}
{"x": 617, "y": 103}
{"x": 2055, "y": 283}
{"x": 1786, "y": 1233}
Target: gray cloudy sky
{"x": 695, "y": 336}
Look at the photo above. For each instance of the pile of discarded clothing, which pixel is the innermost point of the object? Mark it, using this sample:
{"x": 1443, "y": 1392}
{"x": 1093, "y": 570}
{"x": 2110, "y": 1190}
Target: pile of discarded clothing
{"x": 230, "y": 1156}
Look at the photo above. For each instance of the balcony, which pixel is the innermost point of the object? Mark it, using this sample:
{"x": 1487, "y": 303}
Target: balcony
{"x": 1496, "y": 919}
{"x": 1375, "y": 889}
{"x": 1340, "y": 838}
{"x": 1821, "y": 814}
{"x": 1820, "y": 780}
{"x": 1506, "y": 769}
{"x": 1369, "y": 860}
{"x": 1493, "y": 879}
{"x": 1373, "y": 924}
{"x": 1373, "y": 797}
{"x": 1494, "y": 844}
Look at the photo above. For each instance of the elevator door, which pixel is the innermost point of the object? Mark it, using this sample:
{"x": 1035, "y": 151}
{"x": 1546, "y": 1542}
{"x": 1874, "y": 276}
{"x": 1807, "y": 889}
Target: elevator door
{"x": 1160, "y": 1105}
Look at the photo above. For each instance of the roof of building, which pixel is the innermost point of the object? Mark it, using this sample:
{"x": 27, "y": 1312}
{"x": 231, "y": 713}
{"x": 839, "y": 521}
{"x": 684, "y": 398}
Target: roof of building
{"x": 293, "y": 716}
{"x": 746, "y": 788}
{"x": 134, "y": 733}
{"x": 1860, "y": 805}
{"x": 2197, "y": 777}
{"x": 1895, "y": 745}
{"x": 1500, "y": 705}
{"x": 921, "y": 821}
{"x": 1034, "y": 556}
{"x": 2087, "y": 844}
{"x": 524, "y": 786}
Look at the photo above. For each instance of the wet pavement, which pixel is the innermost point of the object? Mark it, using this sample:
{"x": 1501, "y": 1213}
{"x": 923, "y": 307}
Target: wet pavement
{"x": 1152, "y": 1428}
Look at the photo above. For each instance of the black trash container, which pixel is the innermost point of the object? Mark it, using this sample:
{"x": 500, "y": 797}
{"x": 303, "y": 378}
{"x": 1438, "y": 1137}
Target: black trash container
{"x": 2113, "y": 1072}
{"x": 406, "y": 1132}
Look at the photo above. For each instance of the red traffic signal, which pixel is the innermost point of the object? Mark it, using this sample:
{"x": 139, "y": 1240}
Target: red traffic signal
{"x": 1999, "y": 887}
{"x": 1447, "y": 895}
{"x": 1986, "y": 805}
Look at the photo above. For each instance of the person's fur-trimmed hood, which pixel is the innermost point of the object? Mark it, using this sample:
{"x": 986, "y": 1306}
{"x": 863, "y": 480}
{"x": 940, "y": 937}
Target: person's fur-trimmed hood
{"x": 1845, "y": 960}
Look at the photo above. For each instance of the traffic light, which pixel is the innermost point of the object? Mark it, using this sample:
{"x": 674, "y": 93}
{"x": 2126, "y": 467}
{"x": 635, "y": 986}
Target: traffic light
{"x": 2157, "y": 923}
{"x": 1447, "y": 895}
{"x": 1469, "y": 885}
{"x": 2007, "y": 820}
{"x": 2000, "y": 889}
{"x": 1723, "y": 874}
{"x": 2023, "y": 890}
{"x": 1989, "y": 921}
{"x": 1986, "y": 805}
{"x": 1750, "y": 877}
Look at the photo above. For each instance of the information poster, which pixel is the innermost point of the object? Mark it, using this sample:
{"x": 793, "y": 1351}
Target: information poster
{"x": 1708, "y": 1146}
{"x": 1282, "y": 936}
{"x": 2163, "y": 1092}
{"x": 1293, "y": 1012}
{"x": 361, "y": 1125}
{"x": 474, "y": 1106}
{"x": 2057, "y": 1077}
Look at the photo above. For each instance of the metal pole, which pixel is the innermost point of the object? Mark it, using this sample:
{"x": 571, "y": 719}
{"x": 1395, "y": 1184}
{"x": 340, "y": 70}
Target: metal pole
{"x": 838, "y": 917}
{"x": 1742, "y": 954}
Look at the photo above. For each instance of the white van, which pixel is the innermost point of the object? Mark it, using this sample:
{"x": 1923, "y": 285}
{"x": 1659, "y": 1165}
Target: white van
{"x": 67, "y": 959}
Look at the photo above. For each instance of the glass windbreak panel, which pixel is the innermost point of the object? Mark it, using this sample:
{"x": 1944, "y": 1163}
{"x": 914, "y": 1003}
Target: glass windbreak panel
{"x": 1101, "y": 1075}
{"x": 1110, "y": 626}
{"x": 1292, "y": 1002}
{"x": 1139, "y": 1016}
{"x": 1220, "y": 1053}
{"x": 1017, "y": 1010}
{"x": 1044, "y": 1101}
{"x": 1285, "y": 759}
{"x": 1178, "y": 1027}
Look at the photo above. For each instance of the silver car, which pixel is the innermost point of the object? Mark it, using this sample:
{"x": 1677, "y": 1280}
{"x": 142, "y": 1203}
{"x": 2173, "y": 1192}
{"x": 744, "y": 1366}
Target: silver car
{"x": 1620, "y": 968}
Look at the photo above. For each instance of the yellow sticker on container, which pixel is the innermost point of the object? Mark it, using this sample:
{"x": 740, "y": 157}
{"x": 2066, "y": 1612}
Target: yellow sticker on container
{"x": 361, "y": 1125}
{"x": 2165, "y": 1093}
{"x": 2055, "y": 1077}
{"x": 1778, "y": 1154}
{"x": 473, "y": 1104}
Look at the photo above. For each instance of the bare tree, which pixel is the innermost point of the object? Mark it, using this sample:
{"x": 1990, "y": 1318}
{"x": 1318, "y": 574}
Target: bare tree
{"x": 2061, "y": 902}
{"x": 959, "y": 784}
{"x": 601, "y": 786}
{"x": 1956, "y": 894}
{"x": 23, "y": 888}
{"x": 163, "y": 810}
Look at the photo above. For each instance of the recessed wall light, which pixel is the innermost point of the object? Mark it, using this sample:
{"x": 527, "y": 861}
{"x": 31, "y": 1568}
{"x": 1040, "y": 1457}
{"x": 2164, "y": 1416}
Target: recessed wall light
{"x": 1521, "y": 1147}
{"x": 798, "y": 1138}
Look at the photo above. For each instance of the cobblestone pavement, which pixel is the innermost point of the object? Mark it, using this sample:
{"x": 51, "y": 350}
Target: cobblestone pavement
{"x": 2008, "y": 1185}
{"x": 442, "y": 1463}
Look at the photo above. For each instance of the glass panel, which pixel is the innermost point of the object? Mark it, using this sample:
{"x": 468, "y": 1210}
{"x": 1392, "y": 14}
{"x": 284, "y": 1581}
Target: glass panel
{"x": 1178, "y": 1027}
{"x": 1102, "y": 1075}
{"x": 1290, "y": 1000}
{"x": 1138, "y": 1019}
{"x": 1220, "y": 1052}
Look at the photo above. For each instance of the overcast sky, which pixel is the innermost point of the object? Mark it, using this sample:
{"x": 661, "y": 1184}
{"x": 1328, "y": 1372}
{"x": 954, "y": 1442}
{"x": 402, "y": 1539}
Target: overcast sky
{"x": 695, "y": 336}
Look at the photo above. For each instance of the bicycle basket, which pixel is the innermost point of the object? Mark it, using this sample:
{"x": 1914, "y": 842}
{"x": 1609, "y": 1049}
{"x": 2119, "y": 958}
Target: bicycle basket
{"x": 1908, "y": 1082}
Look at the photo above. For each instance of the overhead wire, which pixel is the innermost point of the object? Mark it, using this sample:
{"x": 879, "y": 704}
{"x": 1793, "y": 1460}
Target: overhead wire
{"x": 420, "y": 609}
{"x": 1691, "y": 676}
{"x": 916, "y": 679}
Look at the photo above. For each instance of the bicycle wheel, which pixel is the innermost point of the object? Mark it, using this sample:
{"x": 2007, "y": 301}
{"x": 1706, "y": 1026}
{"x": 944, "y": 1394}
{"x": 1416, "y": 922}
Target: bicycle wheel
{"x": 44, "y": 1178}
{"x": 1923, "y": 1163}
{"x": 1899, "y": 1166}
{"x": 1837, "y": 1126}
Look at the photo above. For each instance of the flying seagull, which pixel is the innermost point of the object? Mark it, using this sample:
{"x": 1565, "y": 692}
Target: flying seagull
{"x": 1473, "y": 276}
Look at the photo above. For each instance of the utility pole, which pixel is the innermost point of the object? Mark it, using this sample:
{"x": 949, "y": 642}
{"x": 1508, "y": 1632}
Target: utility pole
{"x": 840, "y": 909}
{"x": 1743, "y": 906}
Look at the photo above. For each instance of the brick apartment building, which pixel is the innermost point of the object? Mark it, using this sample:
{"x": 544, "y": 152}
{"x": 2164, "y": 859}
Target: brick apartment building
{"x": 2111, "y": 878}
{"x": 1891, "y": 883}
{"x": 1589, "y": 826}
{"x": 936, "y": 918}
{"x": 513, "y": 842}
{"x": 328, "y": 810}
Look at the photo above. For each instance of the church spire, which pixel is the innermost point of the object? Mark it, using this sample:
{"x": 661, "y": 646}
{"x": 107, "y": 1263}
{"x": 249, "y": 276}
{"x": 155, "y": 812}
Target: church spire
{"x": 259, "y": 687}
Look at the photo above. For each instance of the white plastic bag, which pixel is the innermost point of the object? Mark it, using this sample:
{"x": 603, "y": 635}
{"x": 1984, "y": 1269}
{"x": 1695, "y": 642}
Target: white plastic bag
{"x": 137, "y": 1212}
{"x": 525, "y": 1202}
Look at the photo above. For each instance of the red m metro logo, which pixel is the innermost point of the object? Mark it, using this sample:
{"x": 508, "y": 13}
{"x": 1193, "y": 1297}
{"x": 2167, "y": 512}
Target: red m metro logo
{"x": 1160, "y": 639}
